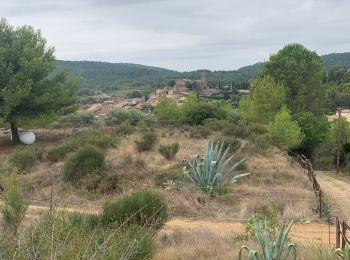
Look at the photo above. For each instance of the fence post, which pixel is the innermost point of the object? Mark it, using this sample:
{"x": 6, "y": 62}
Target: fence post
{"x": 320, "y": 200}
{"x": 337, "y": 234}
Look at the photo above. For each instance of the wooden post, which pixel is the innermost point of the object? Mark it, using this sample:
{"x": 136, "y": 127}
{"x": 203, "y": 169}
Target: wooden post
{"x": 320, "y": 200}
{"x": 338, "y": 140}
{"x": 337, "y": 234}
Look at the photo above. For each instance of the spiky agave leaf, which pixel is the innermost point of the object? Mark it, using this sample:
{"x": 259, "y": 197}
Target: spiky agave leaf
{"x": 208, "y": 171}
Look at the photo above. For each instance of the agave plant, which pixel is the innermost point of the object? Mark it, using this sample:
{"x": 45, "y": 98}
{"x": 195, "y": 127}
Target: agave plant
{"x": 270, "y": 250}
{"x": 207, "y": 172}
{"x": 343, "y": 253}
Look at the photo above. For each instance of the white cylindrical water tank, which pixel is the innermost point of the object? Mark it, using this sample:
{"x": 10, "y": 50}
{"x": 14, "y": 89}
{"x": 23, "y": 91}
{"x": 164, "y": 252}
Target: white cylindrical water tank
{"x": 26, "y": 137}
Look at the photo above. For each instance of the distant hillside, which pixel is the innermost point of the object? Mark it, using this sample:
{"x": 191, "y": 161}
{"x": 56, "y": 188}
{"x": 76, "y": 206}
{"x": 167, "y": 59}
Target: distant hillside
{"x": 334, "y": 59}
{"x": 113, "y": 76}
{"x": 104, "y": 75}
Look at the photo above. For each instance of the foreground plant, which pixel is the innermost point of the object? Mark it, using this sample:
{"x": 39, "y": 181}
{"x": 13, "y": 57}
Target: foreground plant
{"x": 14, "y": 210}
{"x": 207, "y": 173}
{"x": 270, "y": 250}
{"x": 343, "y": 253}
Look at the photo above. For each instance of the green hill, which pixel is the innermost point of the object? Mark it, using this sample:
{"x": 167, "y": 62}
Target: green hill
{"x": 119, "y": 76}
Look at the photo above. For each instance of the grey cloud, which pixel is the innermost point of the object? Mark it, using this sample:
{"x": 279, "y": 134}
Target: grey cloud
{"x": 184, "y": 34}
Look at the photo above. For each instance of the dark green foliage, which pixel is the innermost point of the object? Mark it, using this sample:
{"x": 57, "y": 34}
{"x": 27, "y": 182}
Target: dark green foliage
{"x": 169, "y": 176}
{"x": 135, "y": 94}
{"x": 239, "y": 129}
{"x": 301, "y": 72}
{"x": 147, "y": 142}
{"x": 199, "y": 132}
{"x": 197, "y": 114}
{"x": 316, "y": 130}
{"x": 346, "y": 148}
{"x": 92, "y": 137}
{"x": 231, "y": 142}
{"x": 169, "y": 151}
{"x": 28, "y": 96}
{"x": 86, "y": 161}
{"x": 324, "y": 156}
{"x": 214, "y": 124}
{"x": 144, "y": 208}
{"x": 24, "y": 159}
{"x": 125, "y": 128}
{"x": 118, "y": 116}
{"x": 59, "y": 152}
{"x": 101, "y": 140}
{"x": 78, "y": 236}
{"x": 14, "y": 210}
{"x": 78, "y": 119}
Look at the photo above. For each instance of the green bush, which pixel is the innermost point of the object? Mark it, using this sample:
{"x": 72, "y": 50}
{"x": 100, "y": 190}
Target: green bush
{"x": 239, "y": 129}
{"x": 101, "y": 140}
{"x": 144, "y": 208}
{"x": 118, "y": 116}
{"x": 125, "y": 128}
{"x": 67, "y": 236}
{"x": 214, "y": 124}
{"x": 14, "y": 210}
{"x": 231, "y": 142}
{"x": 169, "y": 151}
{"x": 324, "y": 157}
{"x": 200, "y": 132}
{"x": 78, "y": 119}
{"x": 59, "y": 152}
{"x": 86, "y": 161}
{"x": 147, "y": 142}
{"x": 92, "y": 137}
{"x": 23, "y": 159}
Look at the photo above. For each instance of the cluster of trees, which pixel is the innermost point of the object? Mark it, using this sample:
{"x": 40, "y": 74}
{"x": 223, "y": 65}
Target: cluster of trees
{"x": 192, "y": 112}
{"x": 289, "y": 101}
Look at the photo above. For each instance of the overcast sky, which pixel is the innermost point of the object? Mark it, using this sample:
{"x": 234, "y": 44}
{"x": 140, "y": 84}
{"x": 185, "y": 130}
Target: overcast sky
{"x": 183, "y": 34}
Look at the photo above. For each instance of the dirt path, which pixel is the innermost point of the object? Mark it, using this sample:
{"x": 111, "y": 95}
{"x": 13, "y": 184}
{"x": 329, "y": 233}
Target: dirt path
{"x": 338, "y": 193}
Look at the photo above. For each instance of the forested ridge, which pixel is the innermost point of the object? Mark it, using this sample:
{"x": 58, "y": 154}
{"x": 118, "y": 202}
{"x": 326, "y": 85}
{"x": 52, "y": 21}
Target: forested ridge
{"x": 113, "y": 76}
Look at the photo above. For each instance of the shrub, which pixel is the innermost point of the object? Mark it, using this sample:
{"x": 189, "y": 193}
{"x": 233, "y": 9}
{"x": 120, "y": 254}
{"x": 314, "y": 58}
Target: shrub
{"x": 23, "y": 159}
{"x": 101, "y": 140}
{"x": 125, "y": 128}
{"x": 207, "y": 173}
{"x": 86, "y": 161}
{"x": 144, "y": 208}
{"x": 59, "y": 152}
{"x": 324, "y": 156}
{"x": 214, "y": 124}
{"x": 169, "y": 151}
{"x": 14, "y": 210}
{"x": 78, "y": 119}
{"x": 239, "y": 129}
{"x": 229, "y": 142}
{"x": 199, "y": 132}
{"x": 76, "y": 236}
{"x": 146, "y": 142}
{"x": 170, "y": 175}
{"x": 118, "y": 116}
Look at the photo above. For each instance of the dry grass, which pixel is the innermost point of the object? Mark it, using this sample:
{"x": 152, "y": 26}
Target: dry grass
{"x": 183, "y": 239}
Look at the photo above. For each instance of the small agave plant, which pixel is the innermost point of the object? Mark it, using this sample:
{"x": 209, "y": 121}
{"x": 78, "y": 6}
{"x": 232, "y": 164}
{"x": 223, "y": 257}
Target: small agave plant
{"x": 207, "y": 173}
{"x": 270, "y": 250}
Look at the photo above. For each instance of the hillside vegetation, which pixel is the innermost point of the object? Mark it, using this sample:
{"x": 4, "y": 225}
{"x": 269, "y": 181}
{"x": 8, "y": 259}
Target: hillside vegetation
{"x": 113, "y": 76}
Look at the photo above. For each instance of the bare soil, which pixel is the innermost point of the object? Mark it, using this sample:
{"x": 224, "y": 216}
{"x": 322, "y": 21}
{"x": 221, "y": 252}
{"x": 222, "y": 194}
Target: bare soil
{"x": 337, "y": 190}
